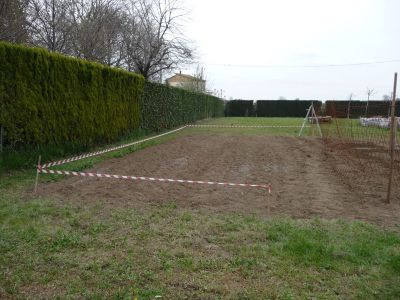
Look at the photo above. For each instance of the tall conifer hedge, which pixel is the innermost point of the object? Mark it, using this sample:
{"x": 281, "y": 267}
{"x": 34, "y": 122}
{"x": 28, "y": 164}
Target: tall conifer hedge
{"x": 57, "y": 105}
{"x": 167, "y": 107}
{"x": 240, "y": 108}
{"x": 285, "y": 108}
{"x": 49, "y": 99}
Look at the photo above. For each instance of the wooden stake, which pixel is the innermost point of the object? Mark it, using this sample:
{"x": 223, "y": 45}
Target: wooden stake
{"x": 316, "y": 121}
{"x": 37, "y": 174}
{"x": 393, "y": 127}
{"x": 305, "y": 120}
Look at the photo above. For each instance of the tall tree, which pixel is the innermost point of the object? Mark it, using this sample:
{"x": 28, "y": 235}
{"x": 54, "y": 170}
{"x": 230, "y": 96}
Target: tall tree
{"x": 50, "y": 24}
{"x": 370, "y": 92}
{"x": 97, "y": 32}
{"x": 13, "y": 21}
{"x": 153, "y": 37}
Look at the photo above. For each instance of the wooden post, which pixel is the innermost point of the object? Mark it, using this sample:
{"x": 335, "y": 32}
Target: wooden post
{"x": 37, "y": 174}
{"x": 305, "y": 120}
{"x": 268, "y": 203}
{"x": 316, "y": 120}
{"x": 393, "y": 127}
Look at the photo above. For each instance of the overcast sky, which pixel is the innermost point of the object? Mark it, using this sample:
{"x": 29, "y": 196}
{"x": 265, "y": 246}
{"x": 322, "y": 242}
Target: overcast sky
{"x": 255, "y": 49}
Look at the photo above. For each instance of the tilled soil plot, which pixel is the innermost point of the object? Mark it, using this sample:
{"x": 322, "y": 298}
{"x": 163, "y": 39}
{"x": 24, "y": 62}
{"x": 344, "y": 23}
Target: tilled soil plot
{"x": 300, "y": 171}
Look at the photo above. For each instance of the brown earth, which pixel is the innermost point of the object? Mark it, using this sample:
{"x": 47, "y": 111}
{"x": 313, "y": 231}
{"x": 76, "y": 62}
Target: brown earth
{"x": 300, "y": 170}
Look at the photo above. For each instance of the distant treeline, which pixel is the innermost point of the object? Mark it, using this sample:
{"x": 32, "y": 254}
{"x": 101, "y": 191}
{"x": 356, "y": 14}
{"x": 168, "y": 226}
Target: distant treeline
{"x": 270, "y": 108}
{"x": 298, "y": 108}
{"x": 357, "y": 108}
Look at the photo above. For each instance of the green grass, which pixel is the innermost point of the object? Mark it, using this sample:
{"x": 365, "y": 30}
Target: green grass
{"x": 52, "y": 249}
{"x": 351, "y": 129}
{"x": 10, "y": 160}
{"x": 253, "y": 121}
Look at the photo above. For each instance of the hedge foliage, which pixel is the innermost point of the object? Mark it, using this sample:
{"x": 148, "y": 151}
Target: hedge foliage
{"x": 285, "y": 108}
{"x": 49, "y": 99}
{"x": 55, "y": 105}
{"x": 270, "y": 108}
{"x": 167, "y": 107}
{"x": 239, "y": 108}
{"x": 339, "y": 108}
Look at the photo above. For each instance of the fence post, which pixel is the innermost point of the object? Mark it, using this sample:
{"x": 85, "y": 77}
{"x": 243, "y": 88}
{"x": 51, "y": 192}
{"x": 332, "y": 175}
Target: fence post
{"x": 393, "y": 127}
{"x": 38, "y": 168}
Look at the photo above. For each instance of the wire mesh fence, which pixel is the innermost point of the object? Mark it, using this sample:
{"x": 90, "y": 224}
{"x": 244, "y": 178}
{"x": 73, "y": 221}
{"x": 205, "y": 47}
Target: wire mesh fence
{"x": 360, "y": 143}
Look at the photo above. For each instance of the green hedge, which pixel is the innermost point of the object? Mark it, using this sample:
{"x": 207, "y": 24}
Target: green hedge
{"x": 167, "y": 107}
{"x": 339, "y": 108}
{"x": 239, "y": 108}
{"x": 56, "y": 106}
{"x": 285, "y": 108}
{"x": 49, "y": 99}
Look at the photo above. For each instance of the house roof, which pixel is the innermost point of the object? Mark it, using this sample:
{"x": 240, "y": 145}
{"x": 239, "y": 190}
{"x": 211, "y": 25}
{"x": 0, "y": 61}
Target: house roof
{"x": 189, "y": 77}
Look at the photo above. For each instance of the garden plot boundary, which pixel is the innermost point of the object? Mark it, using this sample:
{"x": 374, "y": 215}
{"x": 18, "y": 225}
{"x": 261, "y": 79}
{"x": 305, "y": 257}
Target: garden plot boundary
{"x": 45, "y": 168}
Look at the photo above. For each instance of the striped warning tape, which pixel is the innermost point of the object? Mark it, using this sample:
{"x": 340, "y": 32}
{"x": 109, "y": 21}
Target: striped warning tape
{"x": 142, "y": 178}
{"x": 87, "y": 155}
{"x": 79, "y": 157}
{"x": 245, "y": 126}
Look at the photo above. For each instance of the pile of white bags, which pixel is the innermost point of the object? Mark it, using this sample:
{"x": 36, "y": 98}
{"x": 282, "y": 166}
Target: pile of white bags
{"x": 376, "y": 122}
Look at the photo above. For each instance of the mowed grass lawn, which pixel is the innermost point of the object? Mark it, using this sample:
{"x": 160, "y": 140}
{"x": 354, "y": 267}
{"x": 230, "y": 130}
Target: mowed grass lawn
{"x": 344, "y": 128}
{"x": 53, "y": 249}
{"x": 294, "y": 129}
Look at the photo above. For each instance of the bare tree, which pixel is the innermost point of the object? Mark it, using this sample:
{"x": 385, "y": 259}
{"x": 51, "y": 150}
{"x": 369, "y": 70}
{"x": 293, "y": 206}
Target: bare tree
{"x": 143, "y": 36}
{"x": 370, "y": 92}
{"x": 198, "y": 81}
{"x": 153, "y": 38}
{"x": 386, "y": 97}
{"x": 97, "y": 31}
{"x": 349, "y": 104}
{"x": 50, "y": 24}
{"x": 13, "y": 21}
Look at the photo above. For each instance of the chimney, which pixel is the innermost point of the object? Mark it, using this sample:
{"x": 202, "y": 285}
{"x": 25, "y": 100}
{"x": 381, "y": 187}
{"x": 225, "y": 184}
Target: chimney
{"x": 180, "y": 72}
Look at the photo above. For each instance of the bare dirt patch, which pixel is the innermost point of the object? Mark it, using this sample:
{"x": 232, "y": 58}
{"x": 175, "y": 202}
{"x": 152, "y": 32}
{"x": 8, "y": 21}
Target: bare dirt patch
{"x": 300, "y": 170}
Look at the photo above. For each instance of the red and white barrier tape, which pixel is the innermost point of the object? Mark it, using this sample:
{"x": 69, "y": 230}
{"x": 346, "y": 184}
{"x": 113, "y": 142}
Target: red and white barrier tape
{"x": 245, "y": 126}
{"x": 142, "y": 178}
{"x": 79, "y": 157}
{"x": 87, "y": 155}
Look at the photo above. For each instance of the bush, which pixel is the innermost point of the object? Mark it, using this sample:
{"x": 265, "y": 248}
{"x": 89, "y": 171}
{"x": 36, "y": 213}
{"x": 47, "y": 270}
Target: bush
{"x": 285, "y": 108}
{"x": 167, "y": 107}
{"x": 240, "y": 108}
